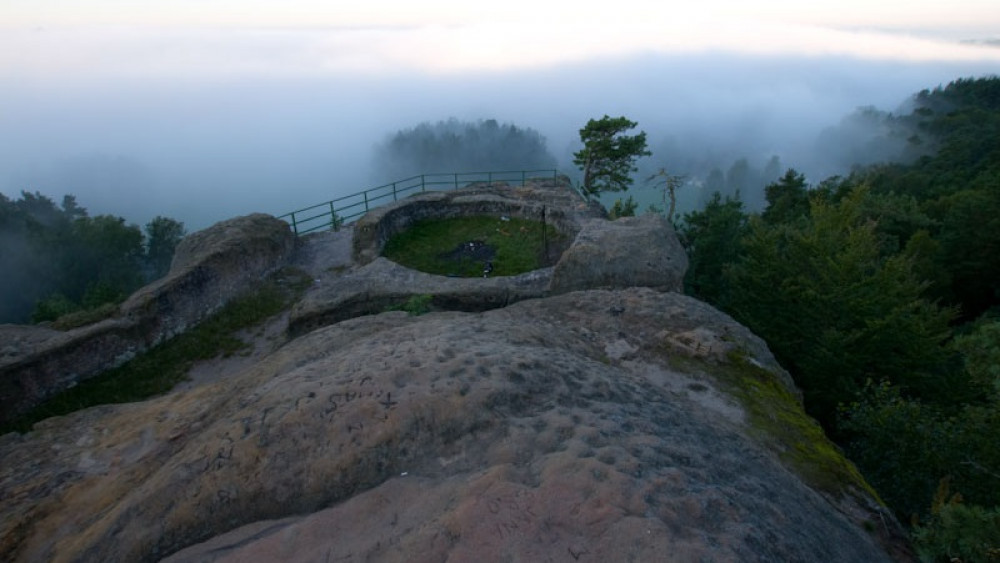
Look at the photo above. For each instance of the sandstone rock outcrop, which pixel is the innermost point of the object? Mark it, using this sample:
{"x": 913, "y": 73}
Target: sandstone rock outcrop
{"x": 594, "y": 253}
{"x": 382, "y": 284}
{"x": 583, "y": 427}
{"x": 210, "y": 268}
{"x": 528, "y": 421}
{"x": 638, "y": 251}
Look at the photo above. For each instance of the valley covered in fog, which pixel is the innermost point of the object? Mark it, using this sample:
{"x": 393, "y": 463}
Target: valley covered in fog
{"x": 200, "y": 146}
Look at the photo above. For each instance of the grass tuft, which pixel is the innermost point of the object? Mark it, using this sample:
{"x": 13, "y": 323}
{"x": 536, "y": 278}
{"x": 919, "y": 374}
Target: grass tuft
{"x": 416, "y": 305}
{"x": 85, "y": 317}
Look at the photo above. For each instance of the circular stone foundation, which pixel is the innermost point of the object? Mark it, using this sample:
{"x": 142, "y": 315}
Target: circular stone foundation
{"x": 477, "y": 246}
{"x": 505, "y": 214}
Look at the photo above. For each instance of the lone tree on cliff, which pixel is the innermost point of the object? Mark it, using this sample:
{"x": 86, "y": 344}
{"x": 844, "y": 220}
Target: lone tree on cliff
{"x": 608, "y": 155}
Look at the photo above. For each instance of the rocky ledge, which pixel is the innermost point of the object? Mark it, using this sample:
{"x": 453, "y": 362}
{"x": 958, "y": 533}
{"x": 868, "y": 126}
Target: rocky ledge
{"x": 210, "y": 268}
{"x": 584, "y": 412}
{"x": 592, "y": 426}
{"x": 600, "y": 254}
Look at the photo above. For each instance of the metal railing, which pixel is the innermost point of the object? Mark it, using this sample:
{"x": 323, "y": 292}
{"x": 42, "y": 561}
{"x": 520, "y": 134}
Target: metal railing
{"x": 347, "y": 209}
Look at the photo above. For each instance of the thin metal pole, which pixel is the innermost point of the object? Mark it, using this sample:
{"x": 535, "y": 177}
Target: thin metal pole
{"x": 545, "y": 238}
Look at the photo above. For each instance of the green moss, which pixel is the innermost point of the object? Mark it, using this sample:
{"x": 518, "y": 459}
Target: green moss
{"x": 161, "y": 368}
{"x": 85, "y": 317}
{"x": 416, "y": 305}
{"x": 431, "y": 245}
{"x": 782, "y": 424}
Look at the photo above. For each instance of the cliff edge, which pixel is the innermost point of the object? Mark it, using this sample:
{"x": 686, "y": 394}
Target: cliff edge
{"x": 599, "y": 424}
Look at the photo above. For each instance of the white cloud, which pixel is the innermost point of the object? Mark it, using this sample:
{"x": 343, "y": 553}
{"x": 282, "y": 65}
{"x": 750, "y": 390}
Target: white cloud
{"x": 455, "y": 35}
{"x": 220, "y": 52}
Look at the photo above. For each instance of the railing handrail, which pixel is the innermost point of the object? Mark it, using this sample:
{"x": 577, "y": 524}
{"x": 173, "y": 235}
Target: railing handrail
{"x": 347, "y": 209}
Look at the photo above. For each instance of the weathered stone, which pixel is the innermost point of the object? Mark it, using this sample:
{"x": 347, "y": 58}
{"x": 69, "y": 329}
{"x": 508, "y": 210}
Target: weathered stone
{"x": 631, "y": 252}
{"x": 566, "y": 428}
{"x": 382, "y": 284}
{"x": 552, "y": 201}
{"x": 210, "y": 268}
{"x": 18, "y": 341}
{"x": 587, "y": 426}
{"x": 638, "y": 251}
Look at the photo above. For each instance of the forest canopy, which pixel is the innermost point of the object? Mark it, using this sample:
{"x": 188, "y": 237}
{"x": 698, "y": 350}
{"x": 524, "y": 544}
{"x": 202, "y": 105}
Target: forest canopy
{"x": 880, "y": 293}
{"x": 57, "y": 259}
{"x": 461, "y": 146}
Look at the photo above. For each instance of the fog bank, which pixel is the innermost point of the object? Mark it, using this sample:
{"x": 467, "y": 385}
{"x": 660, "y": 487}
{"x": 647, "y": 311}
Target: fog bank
{"x": 202, "y": 149}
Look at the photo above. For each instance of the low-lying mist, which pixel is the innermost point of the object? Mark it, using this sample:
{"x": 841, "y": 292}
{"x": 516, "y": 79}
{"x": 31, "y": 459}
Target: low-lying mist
{"x": 205, "y": 150}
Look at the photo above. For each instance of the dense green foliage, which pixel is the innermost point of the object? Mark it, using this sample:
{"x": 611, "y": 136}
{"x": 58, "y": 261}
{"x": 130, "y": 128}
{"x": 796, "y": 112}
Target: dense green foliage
{"x": 460, "y": 146}
{"x": 57, "y": 260}
{"x": 462, "y": 246}
{"x": 623, "y": 208}
{"x": 842, "y": 313}
{"x": 608, "y": 156}
{"x": 958, "y": 532}
{"x": 712, "y": 239}
{"x": 880, "y": 292}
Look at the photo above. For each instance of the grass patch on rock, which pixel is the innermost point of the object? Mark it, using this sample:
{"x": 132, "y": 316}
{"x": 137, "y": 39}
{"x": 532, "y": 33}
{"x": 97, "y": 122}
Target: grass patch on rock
{"x": 462, "y": 246}
{"x": 161, "y": 368}
{"x": 779, "y": 419}
{"x": 85, "y": 317}
{"x": 416, "y": 305}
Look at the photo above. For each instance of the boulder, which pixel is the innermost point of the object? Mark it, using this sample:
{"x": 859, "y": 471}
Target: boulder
{"x": 210, "y": 268}
{"x": 638, "y": 251}
{"x": 590, "y": 426}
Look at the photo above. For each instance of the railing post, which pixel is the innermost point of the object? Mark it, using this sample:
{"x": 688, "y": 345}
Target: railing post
{"x": 456, "y": 180}
{"x": 423, "y": 186}
{"x": 394, "y": 191}
{"x": 295, "y": 227}
{"x": 333, "y": 217}
{"x": 366, "y": 201}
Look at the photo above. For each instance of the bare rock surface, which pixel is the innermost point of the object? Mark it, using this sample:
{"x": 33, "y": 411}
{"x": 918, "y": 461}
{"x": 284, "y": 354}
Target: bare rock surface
{"x": 640, "y": 251}
{"x": 210, "y": 268}
{"x": 591, "y": 426}
{"x": 19, "y": 341}
{"x": 325, "y": 255}
{"x": 382, "y": 284}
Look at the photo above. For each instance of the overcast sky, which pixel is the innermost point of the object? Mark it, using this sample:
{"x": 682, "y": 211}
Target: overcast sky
{"x": 202, "y": 109}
